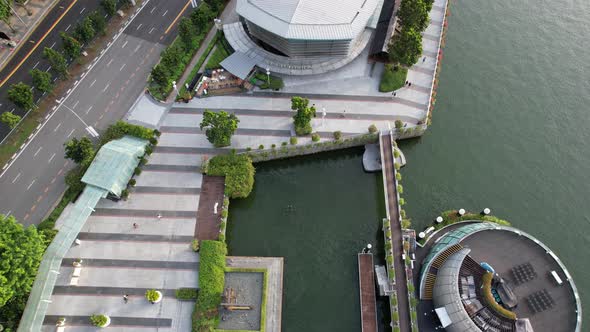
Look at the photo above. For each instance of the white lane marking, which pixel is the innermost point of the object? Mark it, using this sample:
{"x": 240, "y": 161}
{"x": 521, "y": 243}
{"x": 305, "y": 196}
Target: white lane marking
{"x": 38, "y": 150}
{"x": 29, "y": 187}
{"x": 88, "y": 110}
{"x": 16, "y": 178}
{"x": 104, "y": 51}
{"x": 48, "y": 69}
{"x": 139, "y": 26}
{"x": 109, "y": 63}
{"x": 136, "y": 48}
{"x": 51, "y": 158}
{"x": 76, "y": 104}
{"x": 71, "y": 132}
{"x": 52, "y": 45}
{"x": 125, "y": 44}
{"x": 165, "y": 12}
{"x": 56, "y": 128}
{"x": 152, "y": 11}
{"x": 83, "y": 9}
{"x": 35, "y": 66}
{"x": 68, "y": 28}
{"x": 106, "y": 87}
{"x": 123, "y": 66}
{"x": 91, "y": 84}
{"x": 151, "y": 30}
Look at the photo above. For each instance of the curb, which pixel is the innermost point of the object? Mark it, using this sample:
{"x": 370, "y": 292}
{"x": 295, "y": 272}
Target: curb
{"x": 28, "y": 34}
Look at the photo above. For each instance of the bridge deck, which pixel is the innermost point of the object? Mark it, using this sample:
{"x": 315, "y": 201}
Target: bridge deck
{"x": 367, "y": 292}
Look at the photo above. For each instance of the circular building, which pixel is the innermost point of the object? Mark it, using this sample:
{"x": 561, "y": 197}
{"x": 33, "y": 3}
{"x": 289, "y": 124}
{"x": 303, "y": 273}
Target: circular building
{"x": 307, "y": 28}
{"x": 487, "y": 277}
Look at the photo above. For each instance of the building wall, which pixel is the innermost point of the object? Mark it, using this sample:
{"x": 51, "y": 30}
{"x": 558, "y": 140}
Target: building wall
{"x": 300, "y": 48}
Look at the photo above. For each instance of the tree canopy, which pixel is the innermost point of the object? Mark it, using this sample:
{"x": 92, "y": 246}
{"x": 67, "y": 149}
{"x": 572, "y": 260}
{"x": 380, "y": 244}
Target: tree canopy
{"x": 414, "y": 13}
{"x": 99, "y": 23}
{"x": 41, "y": 80}
{"x": 21, "y": 250}
{"x": 57, "y": 61}
{"x": 109, "y": 6}
{"x": 20, "y": 94}
{"x": 10, "y": 119}
{"x": 220, "y": 126}
{"x": 85, "y": 30}
{"x": 186, "y": 31}
{"x": 80, "y": 151}
{"x": 406, "y": 47}
{"x": 302, "y": 118}
{"x": 71, "y": 45}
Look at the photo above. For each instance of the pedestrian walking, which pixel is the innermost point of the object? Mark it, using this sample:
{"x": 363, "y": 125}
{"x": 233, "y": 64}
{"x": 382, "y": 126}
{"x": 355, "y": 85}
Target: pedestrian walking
{"x": 125, "y": 298}
{"x": 409, "y": 83}
{"x": 423, "y": 59}
{"x": 159, "y": 216}
{"x": 406, "y": 83}
{"x": 135, "y": 225}
{"x": 394, "y": 94}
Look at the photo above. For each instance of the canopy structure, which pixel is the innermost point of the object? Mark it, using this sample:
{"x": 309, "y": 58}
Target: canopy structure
{"x": 114, "y": 164}
{"x": 239, "y": 64}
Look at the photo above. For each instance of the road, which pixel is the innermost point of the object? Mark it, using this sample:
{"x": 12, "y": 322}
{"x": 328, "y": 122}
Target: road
{"x": 63, "y": 17}
{"x": 34, "y": 181}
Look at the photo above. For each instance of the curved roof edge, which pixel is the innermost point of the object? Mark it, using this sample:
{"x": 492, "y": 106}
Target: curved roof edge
{"x": 446, "y": 293}
{"x": 317, "y": 31}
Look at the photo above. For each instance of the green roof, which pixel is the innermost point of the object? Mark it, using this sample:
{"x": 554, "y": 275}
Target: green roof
{"x": 114, "y": 164}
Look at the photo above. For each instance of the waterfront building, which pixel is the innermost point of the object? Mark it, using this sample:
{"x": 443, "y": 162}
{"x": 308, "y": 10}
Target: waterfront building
{"x": 482, "y": 276}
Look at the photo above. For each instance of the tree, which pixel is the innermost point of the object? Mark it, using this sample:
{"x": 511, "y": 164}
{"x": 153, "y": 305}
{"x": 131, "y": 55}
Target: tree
{"x": 71, "y": 45}
{"x": 160, "y": 75}
{"x": 10, "y": 119}
{"x": 220, "y": 126}
{"x": 21, "y": 250}
{"x": 186, "y": 31}
{"x": 303, "y": 116}
{"x": 57, "y": 62}
{"x": 99, "y": 23}
{"x": 85, "y": 30}
{"x": 41, "y": 80}
{"x": 215, "y": 4}
{"x": 413, "y": 14}
{"x": 80, "y": 151}
{"x": 201, "y": 17}
{"x": 21, "y": 95}
{"x": 109, "y": 6}
{"x": 5, "y": 13}
{"x": 406, "y": 47}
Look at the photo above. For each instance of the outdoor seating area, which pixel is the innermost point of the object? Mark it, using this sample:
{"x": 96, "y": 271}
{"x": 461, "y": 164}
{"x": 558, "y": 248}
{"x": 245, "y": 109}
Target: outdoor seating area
{"x": 523, "y": 273}
{"x": 540, "y": 301}
{"x": 216, "y": 82}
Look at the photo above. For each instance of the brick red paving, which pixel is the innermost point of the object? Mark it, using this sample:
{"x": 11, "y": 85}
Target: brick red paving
{"x": 207, "y": 227}
{"x": 367, "y": 289}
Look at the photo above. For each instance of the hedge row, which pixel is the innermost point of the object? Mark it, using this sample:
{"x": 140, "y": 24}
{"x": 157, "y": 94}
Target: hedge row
{"x": 238, "y": 171}
{"x": 211, "y": 283}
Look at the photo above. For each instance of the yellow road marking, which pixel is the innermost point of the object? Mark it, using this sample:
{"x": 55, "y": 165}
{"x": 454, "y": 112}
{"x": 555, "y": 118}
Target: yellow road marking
{"x": 177, "y": 17}
{"x": 38, "y": 43}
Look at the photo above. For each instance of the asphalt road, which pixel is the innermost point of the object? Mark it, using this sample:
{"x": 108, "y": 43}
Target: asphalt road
{"x": 34, "y": 182}
{"x": 45, "y": 35}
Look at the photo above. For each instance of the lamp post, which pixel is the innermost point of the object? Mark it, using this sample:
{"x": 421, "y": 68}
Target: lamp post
{"x": 88, "y": 128}
{"x": 323, "y": 115}
{"x": 268, "y": 76}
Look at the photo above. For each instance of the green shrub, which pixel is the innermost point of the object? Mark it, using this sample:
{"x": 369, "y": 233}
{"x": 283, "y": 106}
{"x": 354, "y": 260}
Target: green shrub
{"x": 149, "y": 150}
{"x": 388, "y": 234}
{"x": 98, "y": 320}
{"x": 399, "y": 124}
{"x": 372, "y": 129}
{"x": 157, "y": 133}
{"x": 388, "y": 245}
{"x": 393, "y": 78}
{"x": 413, "y": 302}
{"x": 238, "y": 171}
{"x": 223, "y": 214}
{"x": 389, "y": 260}
{"x": 402, "y": 213}
{"x": 396, "y": 166}
{"x": 396, "y": 153}
{"x": 398, "y": 176}
{"x": 315, "y": 137}
{"x": 248, "y": 149}
{"x": 211, "y": 283}
{"x": 284, "y": 144}
{"x": 222, "y": 225}
{"x": 187, "y": 293}
{"x": 402, "y": 201}
{"x": 413, "y": 315}
{"x": 152, "y": 295}
{"x": 261, "y": 147}
{"x": 132, "y": 182}
{"x": 406, "y": 223}
{"x": 273, "y": 146}
{"x": 195, "y": 245}
{"x": 137, "y": 171}
{"x": 396, "y": 329}
{"x": 395, "y": 316}
{"x": 153, "y": 141}
{"x": 121, "y": 128}
{"x": 124, "y": 194}
{"x": 410, "y": 288}
{"x": 337, "y": 135}
{"x": 393, "y": 299}
{"x": 221, "y": 237}
{"x": 400, "y": 189}
{"x": 226, "y": 202}
{"x": 293, "y": 140}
